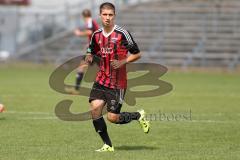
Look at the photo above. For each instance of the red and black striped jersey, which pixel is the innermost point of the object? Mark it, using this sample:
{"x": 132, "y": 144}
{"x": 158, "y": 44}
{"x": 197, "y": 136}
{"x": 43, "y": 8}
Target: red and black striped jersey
{"x": 112, "y": 46}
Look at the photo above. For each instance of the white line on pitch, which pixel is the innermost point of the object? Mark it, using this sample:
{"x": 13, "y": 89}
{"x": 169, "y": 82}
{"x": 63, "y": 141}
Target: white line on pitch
{"x": 212, "y": 121}
{"x": 30, "y": 113}
{"x": 38, "y": 118}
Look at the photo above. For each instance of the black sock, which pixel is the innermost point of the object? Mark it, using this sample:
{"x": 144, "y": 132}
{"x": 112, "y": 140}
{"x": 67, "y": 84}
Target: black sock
{"x": 101, "y": 127}
{"x": 78, "y": 80}
{"x": 126, "y": 117}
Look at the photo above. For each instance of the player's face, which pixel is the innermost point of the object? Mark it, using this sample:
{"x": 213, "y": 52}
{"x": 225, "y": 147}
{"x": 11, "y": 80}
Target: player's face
{"x": 107, "y": 17}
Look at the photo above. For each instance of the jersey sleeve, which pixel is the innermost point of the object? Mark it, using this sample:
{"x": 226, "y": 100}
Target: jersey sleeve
{"x": 93, "y": 47}
{"x": 129, "y": 43}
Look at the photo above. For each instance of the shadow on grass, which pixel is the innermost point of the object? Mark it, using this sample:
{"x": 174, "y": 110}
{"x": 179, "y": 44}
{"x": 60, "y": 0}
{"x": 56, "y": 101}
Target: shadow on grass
{"x": 129, "y": 148}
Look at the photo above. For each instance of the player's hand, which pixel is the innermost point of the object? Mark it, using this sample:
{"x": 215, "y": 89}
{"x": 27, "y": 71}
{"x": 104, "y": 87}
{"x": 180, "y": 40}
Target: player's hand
{"x": 118, "y": 63}
{"x": 78, "y": 32}
{"x": 89, "y": 58}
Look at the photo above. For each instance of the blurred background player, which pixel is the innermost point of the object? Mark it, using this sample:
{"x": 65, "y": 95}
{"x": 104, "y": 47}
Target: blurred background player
{"x": 91, "y": 25}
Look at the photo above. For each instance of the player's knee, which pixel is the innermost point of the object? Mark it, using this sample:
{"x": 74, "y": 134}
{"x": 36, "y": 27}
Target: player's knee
{"x": 114, "y": 118}
{"x": 96, "y": 112}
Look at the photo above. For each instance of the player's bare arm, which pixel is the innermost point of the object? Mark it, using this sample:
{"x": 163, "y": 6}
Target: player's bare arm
{"x": 119, "y": 63}
{"x": 80, "y": 33}
{"x": 89, "y": 58}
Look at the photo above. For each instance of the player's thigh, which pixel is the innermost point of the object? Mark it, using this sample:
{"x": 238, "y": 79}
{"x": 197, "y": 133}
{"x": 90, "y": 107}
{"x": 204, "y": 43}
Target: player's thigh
{"x": 97, "y": 100}
{"x": 96, "y": 107}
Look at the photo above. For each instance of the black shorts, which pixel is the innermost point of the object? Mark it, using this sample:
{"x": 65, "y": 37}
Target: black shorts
{"x": 113, "y": 97}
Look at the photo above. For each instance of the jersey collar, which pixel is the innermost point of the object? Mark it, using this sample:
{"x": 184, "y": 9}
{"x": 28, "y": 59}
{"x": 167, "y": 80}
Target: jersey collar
{"x": 107, "y": 34}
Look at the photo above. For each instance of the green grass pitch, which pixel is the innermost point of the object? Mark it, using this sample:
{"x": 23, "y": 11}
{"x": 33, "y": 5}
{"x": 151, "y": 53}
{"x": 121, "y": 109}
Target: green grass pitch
{"x": 29, "y": 129}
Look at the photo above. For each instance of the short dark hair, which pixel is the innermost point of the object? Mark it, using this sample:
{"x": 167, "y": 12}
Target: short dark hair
{"x": 86, "y": 13}
{"x": 107, "y": 5}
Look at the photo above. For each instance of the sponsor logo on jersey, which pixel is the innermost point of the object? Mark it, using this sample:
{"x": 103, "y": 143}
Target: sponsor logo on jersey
{"x": 114, "y": 40}
{"x": 106, "y": 50}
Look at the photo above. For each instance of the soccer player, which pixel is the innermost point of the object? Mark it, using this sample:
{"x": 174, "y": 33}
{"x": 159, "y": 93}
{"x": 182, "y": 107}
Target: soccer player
{"x": 112, "y": 43}
{"x": 90, "y": 26}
